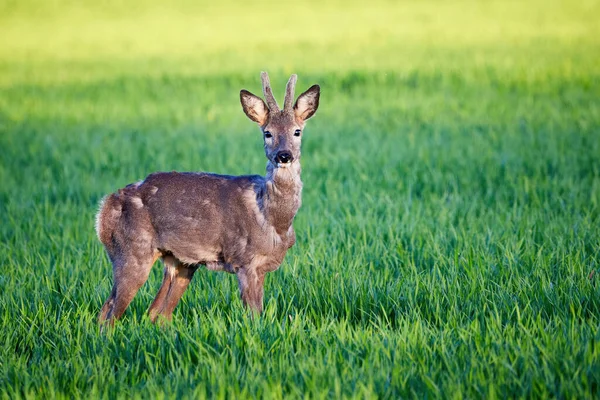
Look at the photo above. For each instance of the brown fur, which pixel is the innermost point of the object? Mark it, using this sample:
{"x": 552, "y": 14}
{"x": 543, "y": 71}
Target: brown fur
{"x": 237, "y": 224}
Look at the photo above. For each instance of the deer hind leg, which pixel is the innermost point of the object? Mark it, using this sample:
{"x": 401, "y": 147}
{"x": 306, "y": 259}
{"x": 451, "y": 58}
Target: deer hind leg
{"x": 251, "y": 284}
{"x": 130, "y": 273}
{"x": 176, "y": 279}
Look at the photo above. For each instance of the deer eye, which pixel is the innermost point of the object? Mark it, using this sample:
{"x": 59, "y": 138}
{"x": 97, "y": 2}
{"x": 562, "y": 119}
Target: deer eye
{"x": 268, "y": 134}
{"x": 297, "y": 132}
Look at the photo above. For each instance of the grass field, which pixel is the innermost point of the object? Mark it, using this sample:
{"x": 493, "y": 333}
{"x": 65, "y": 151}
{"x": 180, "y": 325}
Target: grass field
{"x": 449, "y": 238}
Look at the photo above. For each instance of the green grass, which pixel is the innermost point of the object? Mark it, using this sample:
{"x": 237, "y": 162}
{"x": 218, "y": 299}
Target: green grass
{"x": 449, "y": 238}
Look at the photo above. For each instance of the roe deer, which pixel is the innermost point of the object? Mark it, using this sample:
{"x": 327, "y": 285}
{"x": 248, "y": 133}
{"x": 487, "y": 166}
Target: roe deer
{"x": 238, "y": 224}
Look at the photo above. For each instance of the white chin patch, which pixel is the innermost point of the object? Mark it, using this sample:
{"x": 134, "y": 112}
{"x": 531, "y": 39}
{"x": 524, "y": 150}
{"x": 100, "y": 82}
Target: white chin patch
{"x": 281, "y": 165}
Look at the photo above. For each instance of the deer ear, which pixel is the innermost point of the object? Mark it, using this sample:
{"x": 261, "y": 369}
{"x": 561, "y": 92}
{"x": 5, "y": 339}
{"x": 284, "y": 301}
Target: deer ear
{"x": 254, "y": 107}
{"x": 307, "y": 103}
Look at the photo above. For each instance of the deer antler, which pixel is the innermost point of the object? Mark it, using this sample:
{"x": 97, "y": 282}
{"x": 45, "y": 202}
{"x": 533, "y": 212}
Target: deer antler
{"x": 289, "y": 93}
{"x": 271, "y": 102}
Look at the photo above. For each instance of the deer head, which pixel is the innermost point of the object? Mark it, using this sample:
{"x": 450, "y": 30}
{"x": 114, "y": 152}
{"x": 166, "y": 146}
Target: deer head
{"x": 282, "y": 129}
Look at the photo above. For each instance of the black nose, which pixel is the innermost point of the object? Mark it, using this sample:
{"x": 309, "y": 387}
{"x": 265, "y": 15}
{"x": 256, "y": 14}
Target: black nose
{"x": 283, "y": 157}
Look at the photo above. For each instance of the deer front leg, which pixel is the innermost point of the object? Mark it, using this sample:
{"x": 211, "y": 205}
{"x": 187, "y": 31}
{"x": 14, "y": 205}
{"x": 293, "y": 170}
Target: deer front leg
{"x": 251, "y": 283}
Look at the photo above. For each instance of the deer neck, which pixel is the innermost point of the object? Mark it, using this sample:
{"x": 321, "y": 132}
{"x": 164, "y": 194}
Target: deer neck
{"x": 283, "y": 195}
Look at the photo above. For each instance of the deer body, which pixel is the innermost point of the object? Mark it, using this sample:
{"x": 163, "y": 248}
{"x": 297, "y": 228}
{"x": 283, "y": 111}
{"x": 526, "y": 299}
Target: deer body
{"x": 237, "y": 224}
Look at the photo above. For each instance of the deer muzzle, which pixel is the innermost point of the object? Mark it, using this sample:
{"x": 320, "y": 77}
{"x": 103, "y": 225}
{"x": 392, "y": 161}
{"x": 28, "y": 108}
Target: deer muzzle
{"x": 284, "y": 157}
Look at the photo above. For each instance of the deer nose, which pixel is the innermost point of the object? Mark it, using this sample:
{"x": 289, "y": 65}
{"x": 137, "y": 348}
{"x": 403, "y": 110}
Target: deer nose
{"x": 283, "y": 157}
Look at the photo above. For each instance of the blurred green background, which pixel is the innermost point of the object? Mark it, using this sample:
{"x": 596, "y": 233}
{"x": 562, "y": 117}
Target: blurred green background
{"x": 448, "y": 242}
